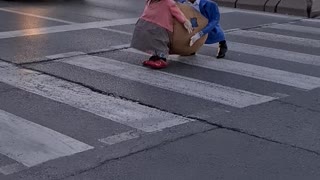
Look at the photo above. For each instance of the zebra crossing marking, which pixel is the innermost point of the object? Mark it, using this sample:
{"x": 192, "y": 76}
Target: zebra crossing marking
{"x": 37, "y": 16}
{"x": 65, "y": 28}
{"x": 253, "y": 71}
{"x": 65, "y": 55}
{"x": 117, "y": 31}
{"x": 32, "y": 144}
{"x": 278, "y": 54}
{"x": 125, "y": 136}
{"x": 296, "y": 28}
{"x": 121, "y": 111}
{"x": 11, "y": 168}
{"x": 277, "y": 38}
{"x": 311, "y": 20}
{"x": 188, "y": 86}
{"x": 279, "y": 95}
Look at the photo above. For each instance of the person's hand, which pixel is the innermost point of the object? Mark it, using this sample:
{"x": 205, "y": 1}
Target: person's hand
{"x": 194, "y": 38}
{"x": 188, "y": 26}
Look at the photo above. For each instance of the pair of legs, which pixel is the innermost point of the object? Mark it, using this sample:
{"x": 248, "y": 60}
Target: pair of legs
{"x": 159, "y": 61}
{"x": 153, "y": 39}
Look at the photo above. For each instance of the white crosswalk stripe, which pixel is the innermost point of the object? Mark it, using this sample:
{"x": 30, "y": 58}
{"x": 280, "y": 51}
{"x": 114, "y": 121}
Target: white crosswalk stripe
{"x": 32, "y": 144}
{"x": 278, "y": 38}
{"x": 297, "y": 28}
{"x": 278, "y": 54}
{"x": 121, "y": 111}
{"x": 274, "y": 53}
{"x": 65, "y": 28}
{"x": 209, "y": 91}
{"x": 249, "y": 70}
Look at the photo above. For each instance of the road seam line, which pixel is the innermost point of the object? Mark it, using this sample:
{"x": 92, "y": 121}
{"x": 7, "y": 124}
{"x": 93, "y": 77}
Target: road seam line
{"x": 66, "y": 28}
{"x": 37, "y": 16}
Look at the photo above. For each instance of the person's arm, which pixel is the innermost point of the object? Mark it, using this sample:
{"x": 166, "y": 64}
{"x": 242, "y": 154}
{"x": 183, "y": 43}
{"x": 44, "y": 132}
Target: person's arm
{"x": 212, "y": 10}
{"x": 176, "y": 12}
{"x": 213, "y": 19}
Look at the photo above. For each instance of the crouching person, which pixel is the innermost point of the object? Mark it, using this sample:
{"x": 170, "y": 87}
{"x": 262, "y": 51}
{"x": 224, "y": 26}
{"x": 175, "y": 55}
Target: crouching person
{"x": 210, "y": 10}
{"x": 152, "y": 31}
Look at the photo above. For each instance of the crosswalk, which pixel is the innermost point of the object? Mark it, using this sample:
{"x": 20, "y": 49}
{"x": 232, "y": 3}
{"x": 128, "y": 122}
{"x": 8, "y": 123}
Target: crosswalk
{"x": 28, "y": 143}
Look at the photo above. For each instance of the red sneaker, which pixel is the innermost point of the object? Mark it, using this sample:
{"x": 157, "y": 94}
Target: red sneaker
{"x": 158, "y": 64}
{"x": 151, "y": 60}
{"x": 147, "y": 63}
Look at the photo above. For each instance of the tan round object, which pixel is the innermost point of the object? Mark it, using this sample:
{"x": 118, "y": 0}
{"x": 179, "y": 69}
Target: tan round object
{"x": 181, "y": 38}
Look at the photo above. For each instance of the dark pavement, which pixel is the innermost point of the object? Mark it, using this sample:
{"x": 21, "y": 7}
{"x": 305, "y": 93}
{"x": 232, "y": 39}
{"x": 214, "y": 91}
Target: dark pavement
{"x": 75, "y": 102}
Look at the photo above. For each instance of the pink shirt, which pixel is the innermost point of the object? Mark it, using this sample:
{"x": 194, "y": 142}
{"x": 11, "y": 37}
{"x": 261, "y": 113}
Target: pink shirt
{"x": 163, "y": 13}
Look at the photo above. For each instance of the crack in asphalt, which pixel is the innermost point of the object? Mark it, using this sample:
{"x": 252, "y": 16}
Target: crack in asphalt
{"x": 261, "y": 137}
{"x": 136, "y": 152}
{"x": 217, "y": 127}
{"x": 55, "y": 59}
{"x": 297, "y": 106}
{"x": 3, "y": 60}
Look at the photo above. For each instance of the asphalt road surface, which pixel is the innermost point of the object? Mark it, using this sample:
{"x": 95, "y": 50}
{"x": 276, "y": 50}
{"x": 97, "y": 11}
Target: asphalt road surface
{"x": 76, "y": 104}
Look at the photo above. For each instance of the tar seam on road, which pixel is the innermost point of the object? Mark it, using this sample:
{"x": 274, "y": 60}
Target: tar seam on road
{"x": 135, "y": 152}
{"x": 46, "y": 60}
{"x": 297, "y": 106}
{"x": 184, "y": 137}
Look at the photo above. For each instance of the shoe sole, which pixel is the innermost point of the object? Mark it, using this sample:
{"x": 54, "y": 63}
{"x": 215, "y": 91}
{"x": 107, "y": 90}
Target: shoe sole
{"x": 220, "y": 57}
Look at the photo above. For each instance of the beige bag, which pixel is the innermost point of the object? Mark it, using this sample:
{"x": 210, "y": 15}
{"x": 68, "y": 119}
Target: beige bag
{"x": 181, "y": 38}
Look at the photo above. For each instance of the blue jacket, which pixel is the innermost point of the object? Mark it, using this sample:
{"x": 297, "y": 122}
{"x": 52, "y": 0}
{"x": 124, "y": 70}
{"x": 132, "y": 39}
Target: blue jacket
{"x": 210, "y": 10}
